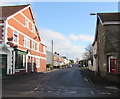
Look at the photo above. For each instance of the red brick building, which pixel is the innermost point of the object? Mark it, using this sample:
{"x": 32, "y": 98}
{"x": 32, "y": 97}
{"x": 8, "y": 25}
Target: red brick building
{"x": 21, "y": 49}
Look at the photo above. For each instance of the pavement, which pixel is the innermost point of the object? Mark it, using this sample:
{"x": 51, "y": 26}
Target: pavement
{"x": 68, "y": 82}
{"x": 97, "y": 80}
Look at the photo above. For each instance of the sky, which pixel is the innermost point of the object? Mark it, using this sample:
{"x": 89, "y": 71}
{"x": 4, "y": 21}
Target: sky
{"x": 68, "y": 24}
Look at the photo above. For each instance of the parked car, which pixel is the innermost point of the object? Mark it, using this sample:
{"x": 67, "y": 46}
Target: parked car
{"x": 70, "y": 66}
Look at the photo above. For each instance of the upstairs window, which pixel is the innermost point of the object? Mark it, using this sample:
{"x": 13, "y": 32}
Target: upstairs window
{"x": 26, "y": 42}
{"x": 33, "y": 45}
{"x": 33, "y": 28}
{"x": 38, "y": 47}
{"x": 15, "y": 36}
{"x": 26, "y": 23}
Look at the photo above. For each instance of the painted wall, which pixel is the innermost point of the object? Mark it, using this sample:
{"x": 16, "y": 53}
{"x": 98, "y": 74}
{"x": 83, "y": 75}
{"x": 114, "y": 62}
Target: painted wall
{"x": 17, "y": 23}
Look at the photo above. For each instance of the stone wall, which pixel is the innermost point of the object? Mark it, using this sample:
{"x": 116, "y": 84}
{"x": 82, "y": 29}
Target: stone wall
{"x": 108, "y": 43}
{"x": 101, "y": 50}
{"x": 111, "y": 39}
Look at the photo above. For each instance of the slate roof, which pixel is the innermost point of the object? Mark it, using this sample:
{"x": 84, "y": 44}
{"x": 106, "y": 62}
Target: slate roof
{"x": 109, "y": 16}
{"x": 7, "y": 11}
{"x": 106, "y": 17}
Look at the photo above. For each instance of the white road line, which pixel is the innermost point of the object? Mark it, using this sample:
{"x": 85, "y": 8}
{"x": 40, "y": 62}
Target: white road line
{"x": 111, "y": 87}
{"x": 35, "y": 89}
{"x": 49, "y": 91}
{"x": 92, "y": 92}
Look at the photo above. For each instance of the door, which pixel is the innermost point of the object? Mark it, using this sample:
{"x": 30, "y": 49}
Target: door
{"x": 3, "y": 64}
{"x": 113, "y": 65}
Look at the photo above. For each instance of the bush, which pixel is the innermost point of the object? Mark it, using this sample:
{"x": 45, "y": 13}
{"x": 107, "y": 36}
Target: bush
{"x": 50, "y": 66}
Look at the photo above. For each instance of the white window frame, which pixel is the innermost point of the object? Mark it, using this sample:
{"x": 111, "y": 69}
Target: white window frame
{"x": 15, "y": 35}
{"x": 26, "y": 42}
{"x": 38, "y": 47}
{"x": 27, "y": 23}
{"x": 24, "y": 60}
{"x": 33, "y": 28}
{"x": 33, "y": 45}
{"x": 110, "y": 57}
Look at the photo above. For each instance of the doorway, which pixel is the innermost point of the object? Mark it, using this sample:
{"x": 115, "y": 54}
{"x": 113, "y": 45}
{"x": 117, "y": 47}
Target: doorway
{"x": 3, "y": 64}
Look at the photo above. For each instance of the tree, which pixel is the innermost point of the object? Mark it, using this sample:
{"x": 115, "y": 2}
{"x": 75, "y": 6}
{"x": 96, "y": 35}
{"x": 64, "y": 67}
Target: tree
{"x": 88, "y": 53}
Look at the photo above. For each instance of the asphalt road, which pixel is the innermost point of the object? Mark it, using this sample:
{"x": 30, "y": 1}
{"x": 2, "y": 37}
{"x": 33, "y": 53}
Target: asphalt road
{"x": 66, "y": 82}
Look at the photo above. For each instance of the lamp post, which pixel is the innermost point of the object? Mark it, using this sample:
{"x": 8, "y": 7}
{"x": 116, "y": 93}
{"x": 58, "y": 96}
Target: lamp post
{"x": 93, "y": 13}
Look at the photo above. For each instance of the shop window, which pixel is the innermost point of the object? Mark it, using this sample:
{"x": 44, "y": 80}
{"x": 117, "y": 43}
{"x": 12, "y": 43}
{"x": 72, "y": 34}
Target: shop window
{"x": 20, "y": 60}
{"x": 112, "y": 64}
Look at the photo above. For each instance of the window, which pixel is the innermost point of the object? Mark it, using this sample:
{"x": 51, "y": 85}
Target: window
{"x": 26, "y": 23}
{"x": 112, "y": 64}
{"x": 15, "y": 36}
{"x": 26, "y": 42}
{"x": 33, "y": 28}
{"x": 24, "y": 60}
{"x": 38, "y": 47}
{"x": 37, "y": 62}
{"x": 20, "y": 60}
{"x": 33, "y": 45}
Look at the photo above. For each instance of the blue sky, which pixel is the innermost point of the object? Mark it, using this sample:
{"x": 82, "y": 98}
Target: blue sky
{"x": 71, "y": 21}
{"x": 69, "y": 24}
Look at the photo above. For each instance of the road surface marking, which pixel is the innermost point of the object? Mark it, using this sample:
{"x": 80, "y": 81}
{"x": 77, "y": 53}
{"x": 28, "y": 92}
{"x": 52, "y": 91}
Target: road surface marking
{"x": 49, "y": 91}
{"x": 35, "y": 89}
{"x": 111, "y": 87}
{"x": 92, "y": 92}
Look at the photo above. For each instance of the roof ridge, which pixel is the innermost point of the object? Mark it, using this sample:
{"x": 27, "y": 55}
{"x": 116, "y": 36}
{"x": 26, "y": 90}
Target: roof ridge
{"x": 109, "y": 13}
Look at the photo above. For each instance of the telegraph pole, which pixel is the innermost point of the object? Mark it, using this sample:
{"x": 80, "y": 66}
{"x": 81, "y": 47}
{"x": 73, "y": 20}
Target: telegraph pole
{"x": 52, "y": 54}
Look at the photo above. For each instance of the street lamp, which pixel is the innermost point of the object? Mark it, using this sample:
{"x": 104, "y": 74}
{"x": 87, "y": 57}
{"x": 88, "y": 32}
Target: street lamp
{"x": 93, "y": 13}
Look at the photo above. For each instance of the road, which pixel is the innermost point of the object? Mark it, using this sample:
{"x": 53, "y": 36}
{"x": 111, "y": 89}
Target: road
{"x": 66, "y": 82}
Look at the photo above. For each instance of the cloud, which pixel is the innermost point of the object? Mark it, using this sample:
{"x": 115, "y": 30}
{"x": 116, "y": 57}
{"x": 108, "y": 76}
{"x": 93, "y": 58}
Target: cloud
{"x": 86, "y": 38}
{"x": 61, "y": 44}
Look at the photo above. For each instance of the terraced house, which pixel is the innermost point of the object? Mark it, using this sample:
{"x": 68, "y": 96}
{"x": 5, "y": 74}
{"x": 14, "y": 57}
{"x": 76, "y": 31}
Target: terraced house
{"x": 21, "y": 49}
